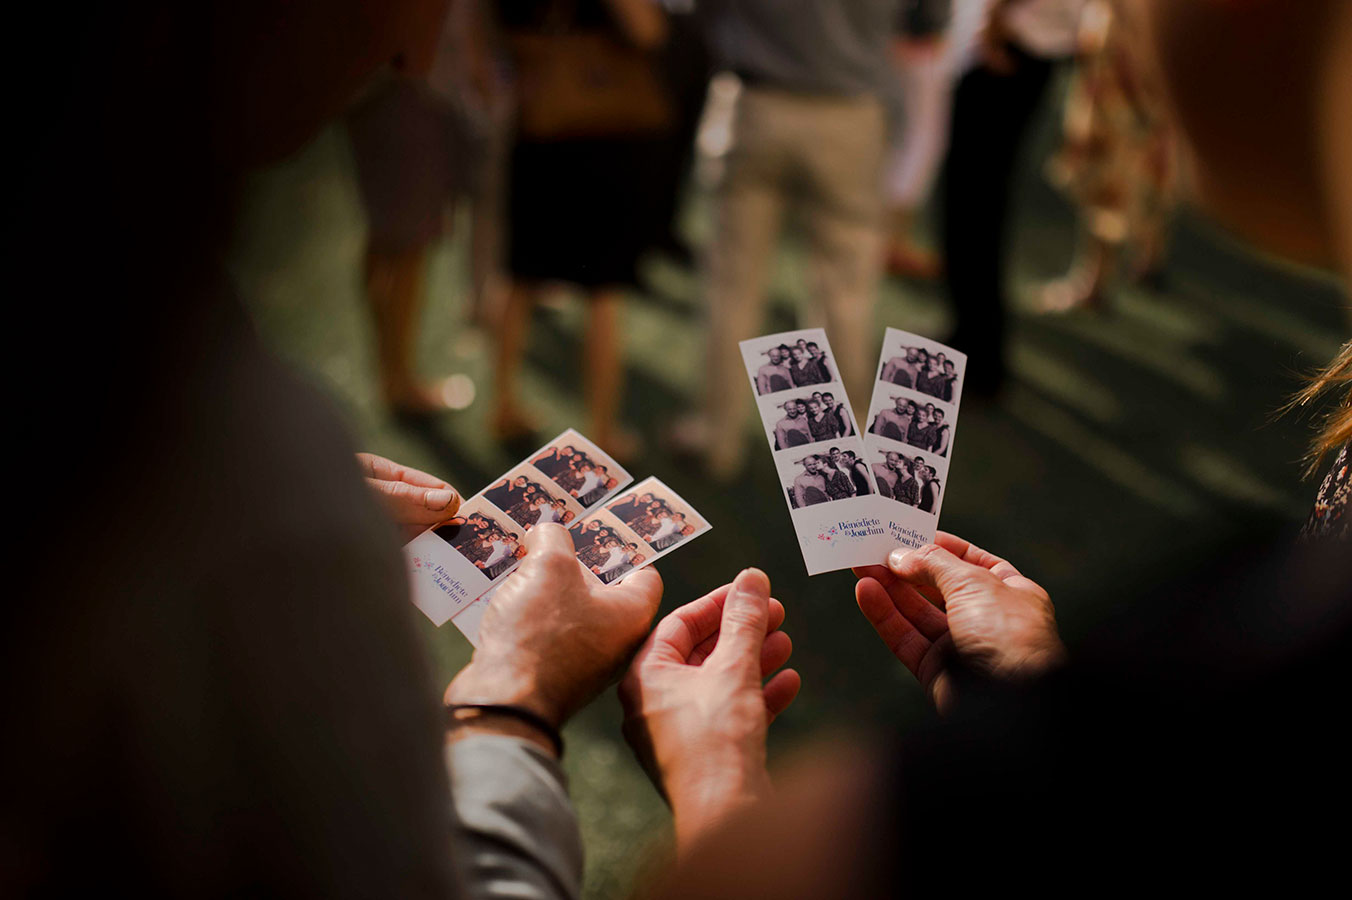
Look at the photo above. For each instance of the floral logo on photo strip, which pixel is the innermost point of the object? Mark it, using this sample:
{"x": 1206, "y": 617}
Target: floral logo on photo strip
{"x": 417, "y": 562}
{"x": 846, "y": 532}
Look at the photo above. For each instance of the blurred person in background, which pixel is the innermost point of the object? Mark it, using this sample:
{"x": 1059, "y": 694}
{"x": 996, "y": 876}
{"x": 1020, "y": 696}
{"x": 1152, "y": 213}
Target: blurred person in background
{"x": 421, "y": 143}
{"x": 923, "y": 61}
{"x": 808, "y": 137}
{"x": 592, "y": 114}
{"x": 993, "y": 104}
{"x": 1117, "y": 162}
{"x": 686, "y": 68}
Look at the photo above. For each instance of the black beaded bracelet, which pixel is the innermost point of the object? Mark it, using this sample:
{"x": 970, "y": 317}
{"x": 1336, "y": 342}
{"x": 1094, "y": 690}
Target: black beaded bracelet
{"x": 520, "y": 713}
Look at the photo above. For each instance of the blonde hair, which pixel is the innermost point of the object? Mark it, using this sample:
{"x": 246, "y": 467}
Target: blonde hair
{"x": 1335, "y": 429}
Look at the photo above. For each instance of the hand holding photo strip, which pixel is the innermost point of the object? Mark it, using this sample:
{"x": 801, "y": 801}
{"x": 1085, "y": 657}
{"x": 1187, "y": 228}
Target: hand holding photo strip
{"x": 627, "y": 533}
{"x": 454, "y": 564}
{"x": 854, "y": 497}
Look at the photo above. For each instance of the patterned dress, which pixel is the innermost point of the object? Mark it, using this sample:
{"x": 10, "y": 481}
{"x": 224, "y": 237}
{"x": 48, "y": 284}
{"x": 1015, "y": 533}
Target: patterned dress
{"x": 570, "y": 480}
{"x": 823, "y": 427}
{"x": 922, "y": 436}
{"x": 1329, "y": 519}
{"x": 933, "y": 385}
{"x": 907, "y": 491}
{"x": 839, "y": 486}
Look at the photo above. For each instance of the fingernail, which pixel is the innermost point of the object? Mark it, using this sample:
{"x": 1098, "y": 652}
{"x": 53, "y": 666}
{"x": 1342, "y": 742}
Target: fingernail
{"x": 897, "y": 557}
{"x": 439, "y": 498}
{"x": 745, "y": 581}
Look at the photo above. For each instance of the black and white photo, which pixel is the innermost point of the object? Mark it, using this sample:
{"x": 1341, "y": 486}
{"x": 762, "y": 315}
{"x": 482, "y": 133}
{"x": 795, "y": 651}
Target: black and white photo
{"x": 802, "y": 418}
{"x": 837, "y": 473}
{"x": 791, "y": 360}
{"x": 924, "y": 366}
{"x": 912, "y": 479}
{"x": 912, "y": 418}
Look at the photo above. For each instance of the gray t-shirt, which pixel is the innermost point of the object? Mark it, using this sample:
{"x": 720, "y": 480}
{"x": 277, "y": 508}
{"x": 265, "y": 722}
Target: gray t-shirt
{"x": 836, "y": 47}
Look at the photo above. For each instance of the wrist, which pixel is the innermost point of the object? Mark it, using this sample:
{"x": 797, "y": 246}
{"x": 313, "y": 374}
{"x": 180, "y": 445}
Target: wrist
{"x": 469, "y": 719}
{"x": 703, "y": 795}
{"x": 488, "y": 680}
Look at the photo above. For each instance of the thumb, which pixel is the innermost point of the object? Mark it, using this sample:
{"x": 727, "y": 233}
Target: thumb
{"x": 644, "y": 587}
{"x": 549, "y": 550}
{"x": 745, "y": 613}
{"x": 935, "y": 567}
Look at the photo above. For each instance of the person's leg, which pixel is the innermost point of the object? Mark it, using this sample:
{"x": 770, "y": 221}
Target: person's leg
{"x": 972, "y": 188}
{"x": 508, "y": 420}
{"x": 990, "y": 115}
{"x": 841, "y": 150}
{"x": 488, "y": 281}
{"x": 394, "y": 286}
{"x": 405, "y": 173}
{"x": 603, "y": 375}
{"x": 748, "y": 209}
{"x": 927, "y": 83}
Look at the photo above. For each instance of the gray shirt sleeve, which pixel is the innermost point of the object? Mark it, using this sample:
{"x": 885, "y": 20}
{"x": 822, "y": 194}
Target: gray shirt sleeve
{"x": 516, "y": 834}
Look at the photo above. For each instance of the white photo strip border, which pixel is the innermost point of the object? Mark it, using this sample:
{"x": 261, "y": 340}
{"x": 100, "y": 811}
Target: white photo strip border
{"x": 855, "y": 494}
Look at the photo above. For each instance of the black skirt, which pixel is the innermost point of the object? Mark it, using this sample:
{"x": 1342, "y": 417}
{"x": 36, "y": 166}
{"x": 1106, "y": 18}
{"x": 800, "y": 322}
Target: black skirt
{"x": 581, "y": 210}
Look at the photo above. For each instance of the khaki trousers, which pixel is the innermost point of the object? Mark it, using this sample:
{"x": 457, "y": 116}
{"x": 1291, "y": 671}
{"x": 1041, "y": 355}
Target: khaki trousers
{"x": 820, "y": 158}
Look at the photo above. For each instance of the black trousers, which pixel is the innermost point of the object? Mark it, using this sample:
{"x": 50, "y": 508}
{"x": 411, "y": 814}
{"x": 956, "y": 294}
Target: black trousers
{"x": 991, "y": 113}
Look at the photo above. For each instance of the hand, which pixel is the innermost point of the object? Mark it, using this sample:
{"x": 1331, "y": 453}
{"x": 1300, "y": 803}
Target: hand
{"x": 696, "y": 711}
{"x": 551, "y": 640}
{"x": 415, "y": 500}
{"x": 954, "y": 597}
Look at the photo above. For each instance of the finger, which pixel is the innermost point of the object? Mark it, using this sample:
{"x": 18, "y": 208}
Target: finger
{"x": 549, "y": 553}
{"x": 899, "y": 635}
{"x": 966, "y": 550}
{"x": 887, "y": 579}
{"x": 933, "y": 566}
{"x": 780, "y": 691}
{"x": 746, "y": 611}
{"x": 915, "y": 608}
{"x": 775, "y": 652}
{"x": 410, "y": 505}
{"x": 706, "y": 646}
{"x": 1027, "y": 584}
{"x": 643, "y": 588}
{"x": 382, "y": 469}
{"x": 681, "y": 630}
{"x": 878, "y": 573}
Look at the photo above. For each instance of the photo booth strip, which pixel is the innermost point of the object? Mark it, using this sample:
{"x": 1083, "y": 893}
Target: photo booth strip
{"x": 660, "y": 531}
{"x": 469, "y": 618}
{"x": 445, "y": 582}
{"x": 840, "y": 527}
{"x": 929, "y": 375}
